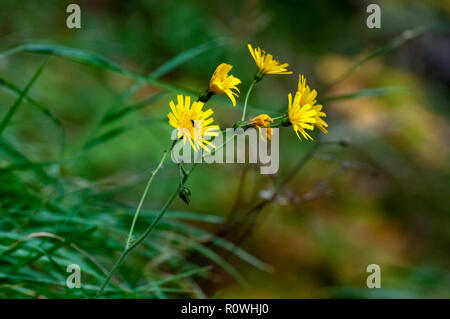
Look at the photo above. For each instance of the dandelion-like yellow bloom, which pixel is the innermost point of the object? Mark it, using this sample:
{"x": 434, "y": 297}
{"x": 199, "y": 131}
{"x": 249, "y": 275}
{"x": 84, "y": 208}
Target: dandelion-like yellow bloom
{"x": 309, "y": 97}
{"x": 260, "y": 121}
{"x": 192, "y": 123}
{"x": 302, "y": 116}
{"x": 266, "y": 63}
{"x": 222, "y": 83}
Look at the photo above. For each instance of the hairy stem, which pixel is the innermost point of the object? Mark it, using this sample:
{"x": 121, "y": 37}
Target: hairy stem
{"x": 137, "y": 242}
{"x": 138, "y": 209}
{"x": 246, "y": 99}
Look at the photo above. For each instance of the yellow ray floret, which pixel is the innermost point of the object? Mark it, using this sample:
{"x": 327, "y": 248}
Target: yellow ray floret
{"x": 260, "y": 121}
{"x": 302, "y": 117}
{"x": 266, "y": 63}
{"x": 308, "y": 96}
{"x": 320, "y": 123}
{"x": 193, "y": 124}
{"x": 222, "y": 83}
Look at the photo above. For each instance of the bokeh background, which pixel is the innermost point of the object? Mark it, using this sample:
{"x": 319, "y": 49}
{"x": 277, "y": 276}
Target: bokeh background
{"x": 378, "y": 193}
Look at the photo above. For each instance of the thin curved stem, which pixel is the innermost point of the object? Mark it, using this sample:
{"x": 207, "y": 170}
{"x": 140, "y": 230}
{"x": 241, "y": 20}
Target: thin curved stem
{"x": 246, "y": 99}
{"x": 148, "y": 230}
{"x": 138, "y": 209}
{"x": 137, "y": 242}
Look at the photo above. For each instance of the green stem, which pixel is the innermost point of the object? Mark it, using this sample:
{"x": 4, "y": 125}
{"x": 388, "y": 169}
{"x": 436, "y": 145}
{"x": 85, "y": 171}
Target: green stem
{"x": 137, "y": 242}
{"x": 149, "y": 229}
{"x": 246, "y": 99}
{"x": 138, "y": 209}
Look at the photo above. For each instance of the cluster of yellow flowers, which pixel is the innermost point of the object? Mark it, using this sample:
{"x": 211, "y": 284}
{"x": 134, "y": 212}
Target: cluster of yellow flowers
{"x": 194, "y": 124}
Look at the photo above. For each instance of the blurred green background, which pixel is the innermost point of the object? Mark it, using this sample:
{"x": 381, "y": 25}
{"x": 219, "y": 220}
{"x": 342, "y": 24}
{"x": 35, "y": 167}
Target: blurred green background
{"x": 382, "y": 199}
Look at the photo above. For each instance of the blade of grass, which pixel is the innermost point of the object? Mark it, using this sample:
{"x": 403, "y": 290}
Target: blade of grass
{"x": 173, "y": 278}
{"x": 105, "y": 137}
{"x": 113, "y": 133}
{"x": 392, "y": 45}
{"x": 186, "y": 56}
{"x": 9, "y": 87}
{"x": 96, "y": 60}
{"x": 55, "y": 247}
{"x": 80, "y": 56}
{"x": 19, "y": 158}
{"x": 371, "y": 92}
{"x": 113, "y": 116}
{"x": 22, "y": 95}
{"x": 220, "y": 242}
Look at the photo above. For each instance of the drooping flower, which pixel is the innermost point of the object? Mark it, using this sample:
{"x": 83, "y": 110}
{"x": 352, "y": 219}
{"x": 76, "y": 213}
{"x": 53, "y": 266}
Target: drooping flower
{"x": 222, "y": 83}
{"x": 301, "y": 116}
{"x": 308, "y": 96}
{"x": 193, "y": 124}
{"x": 266, "y": 63}
{"x": 260, "y": 121}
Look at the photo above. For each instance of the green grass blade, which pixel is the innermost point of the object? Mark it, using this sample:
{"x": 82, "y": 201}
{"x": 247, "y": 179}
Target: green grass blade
{"x": 371, "y": 92}
{"x": 217, "y": 241}
{"x": 54, "y": 248}
{"x": 77, "y": 55}
{"x": 173, "y": 278}
{"x": 9, "y": 87}
{"x": 391, "y": 46}
{"x": 116, "y": 115}
{"x": 104, "y": 137}
{"x": 19, "y": 100}
{"x": 186, "y": 56}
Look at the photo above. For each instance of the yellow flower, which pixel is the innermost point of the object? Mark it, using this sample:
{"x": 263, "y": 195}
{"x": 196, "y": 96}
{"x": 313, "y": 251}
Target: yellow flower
{"x": 192, "y": 123}
{"x": 320, "y": 123}
{"x": 309, "y": 97}
{"x": 302, "y": 116}
{"x": 266, "y": 63}
{"x": 222, "y": 83}
{"x": 260, "y": 121}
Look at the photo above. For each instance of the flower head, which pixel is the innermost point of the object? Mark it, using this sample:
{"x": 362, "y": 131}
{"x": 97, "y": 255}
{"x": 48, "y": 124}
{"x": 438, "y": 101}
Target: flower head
{"x": 266, "y": 63}
{"x": 302, "y": 116}
{"x": 308, "y": 96}
{"x": 222, "y": 83}
{"x": 192, "y": 123}
{"x": 260, "y": 121}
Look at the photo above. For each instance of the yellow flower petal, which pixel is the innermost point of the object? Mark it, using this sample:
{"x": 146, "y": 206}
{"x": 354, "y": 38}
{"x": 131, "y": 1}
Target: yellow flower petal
{"x": 266, "y": 63}
{"x": 304, "y": 113}
{"x": 192, "y": 123}
{"x": 222, "y": 83}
